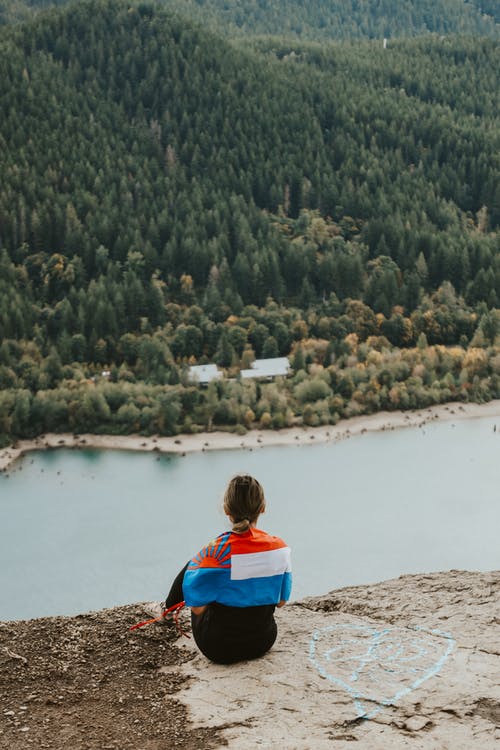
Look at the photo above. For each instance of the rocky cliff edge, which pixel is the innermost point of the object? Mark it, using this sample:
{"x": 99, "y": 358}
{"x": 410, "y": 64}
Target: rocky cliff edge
{"x": 412, "y": 662}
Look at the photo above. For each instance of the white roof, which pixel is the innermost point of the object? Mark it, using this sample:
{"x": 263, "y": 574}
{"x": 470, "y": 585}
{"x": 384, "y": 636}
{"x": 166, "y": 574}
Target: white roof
{"x": 267, "y": 368}
{"x": 204, "y": 373}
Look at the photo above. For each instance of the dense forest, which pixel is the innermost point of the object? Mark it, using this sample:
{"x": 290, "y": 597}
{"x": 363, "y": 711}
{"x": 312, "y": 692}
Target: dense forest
{"x": 324, "y": 20}
{"x": 171, "y": 198}
{"x": 319, "y": 20}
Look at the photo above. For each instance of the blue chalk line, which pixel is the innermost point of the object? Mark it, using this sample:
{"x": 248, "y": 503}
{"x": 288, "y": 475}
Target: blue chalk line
{"x": 371, "y": 658}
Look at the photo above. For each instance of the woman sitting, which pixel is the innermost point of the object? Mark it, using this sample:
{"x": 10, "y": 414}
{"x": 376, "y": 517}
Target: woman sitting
{"x": 234, "y": 583}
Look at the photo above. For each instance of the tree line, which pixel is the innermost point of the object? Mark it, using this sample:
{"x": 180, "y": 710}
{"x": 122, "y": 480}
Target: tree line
{"x": 366, "y": 377}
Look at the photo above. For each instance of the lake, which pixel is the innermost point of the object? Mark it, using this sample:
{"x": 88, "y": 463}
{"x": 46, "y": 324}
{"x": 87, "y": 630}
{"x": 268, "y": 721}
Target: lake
{"x": 86, "y": 529}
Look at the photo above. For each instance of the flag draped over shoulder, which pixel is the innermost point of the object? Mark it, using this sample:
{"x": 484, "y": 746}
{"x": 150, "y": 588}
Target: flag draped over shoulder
{"x": 240, "y": 570}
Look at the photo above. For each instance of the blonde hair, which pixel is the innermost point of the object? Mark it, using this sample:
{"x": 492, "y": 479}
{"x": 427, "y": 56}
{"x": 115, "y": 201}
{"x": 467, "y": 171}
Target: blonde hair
{"x": 243, "y": 501}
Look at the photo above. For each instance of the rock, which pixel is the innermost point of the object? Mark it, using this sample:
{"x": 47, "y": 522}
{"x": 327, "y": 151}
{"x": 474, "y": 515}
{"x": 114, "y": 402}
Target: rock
{"x": 416, "y": 723}
{"x": 368, "y": 663}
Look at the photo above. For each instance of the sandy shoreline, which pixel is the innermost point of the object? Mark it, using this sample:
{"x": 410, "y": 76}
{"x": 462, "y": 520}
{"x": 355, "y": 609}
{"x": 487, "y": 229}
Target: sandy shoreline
{"x": 206, "y": 441}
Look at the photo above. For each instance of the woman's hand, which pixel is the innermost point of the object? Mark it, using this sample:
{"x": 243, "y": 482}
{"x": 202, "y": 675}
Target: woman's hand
{"x": 200, "y": 610}
{"x": 281, "y": 603}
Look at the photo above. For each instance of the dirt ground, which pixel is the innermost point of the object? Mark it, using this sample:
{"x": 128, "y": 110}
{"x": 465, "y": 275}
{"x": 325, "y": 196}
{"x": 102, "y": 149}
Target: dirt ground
{"x": 87, "y": 683}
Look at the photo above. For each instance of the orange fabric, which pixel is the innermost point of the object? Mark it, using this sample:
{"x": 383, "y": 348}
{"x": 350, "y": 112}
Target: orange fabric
{"x": 211, "y": 556}
{"x": 254, "y": 540}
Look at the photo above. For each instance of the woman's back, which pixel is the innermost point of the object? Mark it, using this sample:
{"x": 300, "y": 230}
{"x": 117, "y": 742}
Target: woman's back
{"x": 245, "y": 569}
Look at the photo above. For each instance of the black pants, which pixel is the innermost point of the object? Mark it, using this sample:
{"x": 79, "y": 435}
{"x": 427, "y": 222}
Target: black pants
{"x": 176, "y": 595}
{"x": 226, "y": 635}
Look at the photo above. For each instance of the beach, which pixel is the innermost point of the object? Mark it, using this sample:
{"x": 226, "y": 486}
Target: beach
{"x": 183, "y": 444}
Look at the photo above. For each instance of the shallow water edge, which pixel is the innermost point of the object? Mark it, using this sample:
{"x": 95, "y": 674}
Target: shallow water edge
{"x": 218, "y": 440}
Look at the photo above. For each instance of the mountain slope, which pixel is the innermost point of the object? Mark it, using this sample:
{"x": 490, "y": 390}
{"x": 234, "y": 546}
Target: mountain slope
{"x": 170, "y": 197}
{"x": 320, "y": 20}
{"x": 343, "y": 19}
{"x": 128, "y": 131}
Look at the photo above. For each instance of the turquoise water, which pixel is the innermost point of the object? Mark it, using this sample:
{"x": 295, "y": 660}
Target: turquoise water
{"x": 82, "y": 530}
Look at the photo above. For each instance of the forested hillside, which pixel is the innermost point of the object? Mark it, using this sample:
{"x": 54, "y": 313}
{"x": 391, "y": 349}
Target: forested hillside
{"x": 12, "y": 11}
{"x": 320, "y": 20}
{"x": 323, "y": 20}
{"x": 168, "y": 197}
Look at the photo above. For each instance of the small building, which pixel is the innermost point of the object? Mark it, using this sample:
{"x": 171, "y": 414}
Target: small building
{"x": 268, "y": 368}
{"x": 203, "y": 374}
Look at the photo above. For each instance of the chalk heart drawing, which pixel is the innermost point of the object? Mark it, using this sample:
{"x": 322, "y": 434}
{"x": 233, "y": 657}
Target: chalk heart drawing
{"x": 377, "y": 667}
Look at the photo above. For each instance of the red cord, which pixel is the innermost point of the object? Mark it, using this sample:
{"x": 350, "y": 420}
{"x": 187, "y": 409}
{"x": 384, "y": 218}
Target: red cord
{"x": 175, "y": 608}
{"x": 176, "y": 620}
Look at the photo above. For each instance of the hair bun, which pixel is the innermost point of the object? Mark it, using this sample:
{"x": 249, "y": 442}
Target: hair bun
{"x": 241, "y": 525}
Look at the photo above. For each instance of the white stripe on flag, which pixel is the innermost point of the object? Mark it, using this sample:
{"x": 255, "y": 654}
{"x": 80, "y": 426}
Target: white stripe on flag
{"x": 261, "y": 564}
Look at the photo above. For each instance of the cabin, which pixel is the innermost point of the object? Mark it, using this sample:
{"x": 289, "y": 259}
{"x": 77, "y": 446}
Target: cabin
{"x": 268, "y": 368}
{"x": 204, "y": 374}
